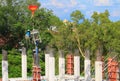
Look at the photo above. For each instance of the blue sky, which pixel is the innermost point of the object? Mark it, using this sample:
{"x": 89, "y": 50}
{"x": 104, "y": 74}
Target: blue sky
{"x": 63, "y": 8}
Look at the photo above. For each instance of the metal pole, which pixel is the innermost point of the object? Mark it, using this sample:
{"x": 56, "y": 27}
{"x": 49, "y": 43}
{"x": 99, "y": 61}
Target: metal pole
{"x": 36, "y": 67}
{"x": 36, "y": 54}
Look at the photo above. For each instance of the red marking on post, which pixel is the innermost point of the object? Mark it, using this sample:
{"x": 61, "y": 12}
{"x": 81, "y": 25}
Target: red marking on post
{"x": 112, "y": 69}
{"x": 70, "y": 64}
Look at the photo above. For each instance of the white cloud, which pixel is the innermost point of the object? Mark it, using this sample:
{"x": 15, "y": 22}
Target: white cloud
{"x": 66, "y": 10}
{"x": 67, "y": 5}
{"x": 115, "y": 13}
{"x": 57, "y": 4}
{"x": 103, "y": 2}
{"x": 45, "y": 4}
{"x": 82, "y": 6}
{"x": 89, "y": 13}
{"x": 73, "y": 3}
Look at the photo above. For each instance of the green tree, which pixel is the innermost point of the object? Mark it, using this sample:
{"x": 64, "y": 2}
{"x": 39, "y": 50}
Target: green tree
{"x": 16, "y": 20}
{"x": 98, "y": 34}
{"x": 11, "y": 22}
{"x": 76, "y": 16}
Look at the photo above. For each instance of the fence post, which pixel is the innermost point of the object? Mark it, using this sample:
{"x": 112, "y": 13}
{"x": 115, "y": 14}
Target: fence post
{"x": 70, "y": 64}
{"x": 47, "y": 64}
{"x": 98, "y": 71}
{"x": 112, "y": 70}
{"x": 4, "y": 66}
{"x": 24, "y": 64}
{"x": 77, "y": 63}
{"x": 118, "y": 75}
{"x": 61, "y": 65}
{"x": 87, "y": 65}
{"x": 51, "y": 66}
{"x": 87, "y": 70}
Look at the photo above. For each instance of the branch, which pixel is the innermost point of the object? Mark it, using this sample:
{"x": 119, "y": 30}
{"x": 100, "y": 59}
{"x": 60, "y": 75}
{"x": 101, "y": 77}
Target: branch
{"x": 78, "y": 45}
{"x": 80, "y": 50}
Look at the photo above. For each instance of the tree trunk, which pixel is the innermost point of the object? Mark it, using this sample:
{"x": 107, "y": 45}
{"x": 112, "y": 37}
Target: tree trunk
{"x": 87, "y": 54}
{"x": 99, "y": 52}
{"x": 4, "y": 53}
